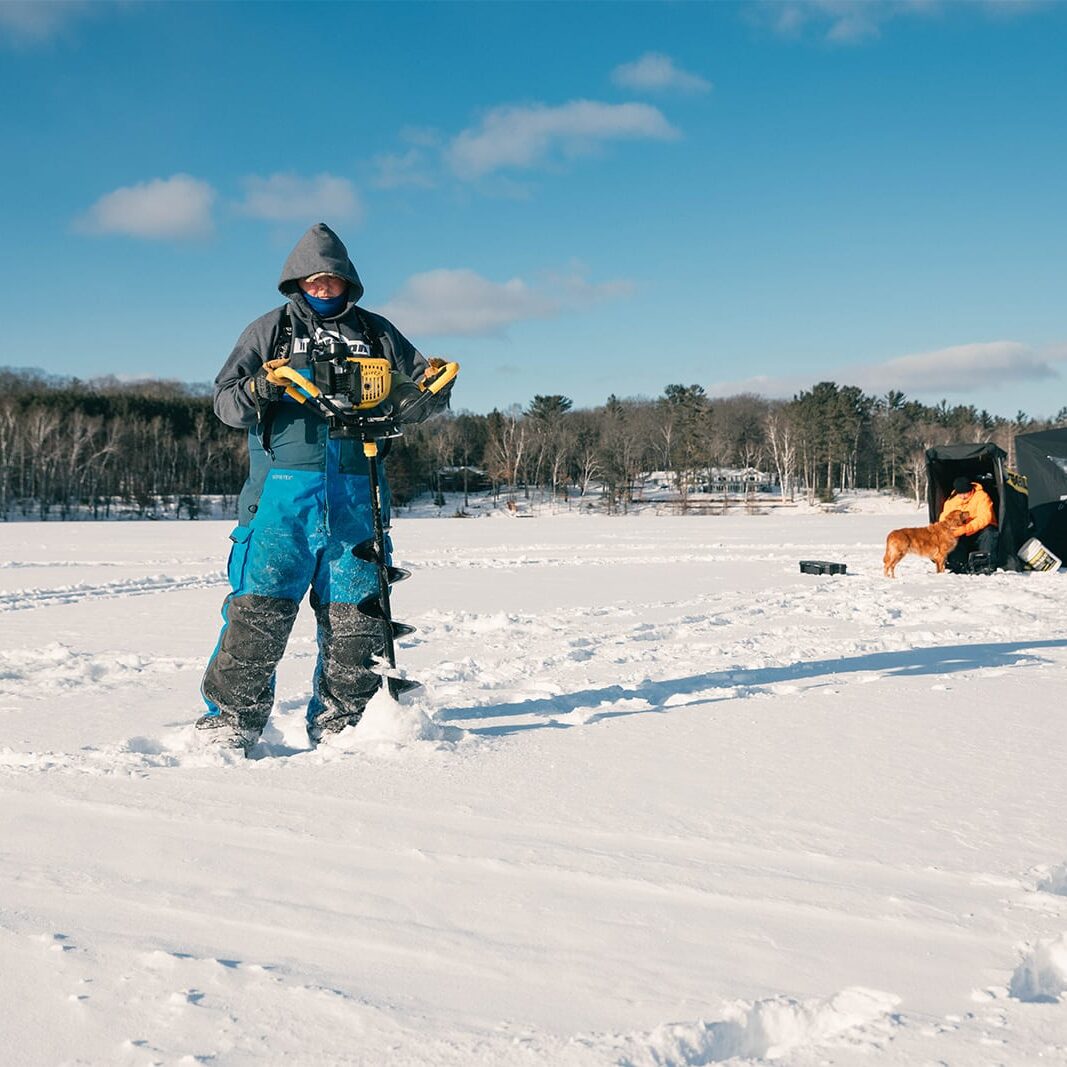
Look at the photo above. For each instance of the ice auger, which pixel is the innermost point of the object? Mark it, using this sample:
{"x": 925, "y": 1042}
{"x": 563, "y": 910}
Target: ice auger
{"x": 354, "y": 387}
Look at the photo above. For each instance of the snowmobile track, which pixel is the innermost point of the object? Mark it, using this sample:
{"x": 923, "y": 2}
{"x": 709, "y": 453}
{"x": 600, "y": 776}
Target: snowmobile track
{"x": 25, "y": 599}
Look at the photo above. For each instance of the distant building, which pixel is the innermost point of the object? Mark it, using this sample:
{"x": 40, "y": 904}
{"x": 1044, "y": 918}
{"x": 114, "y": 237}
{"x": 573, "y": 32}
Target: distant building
{"x": 451, "y": 479}
{"x": 737, "y": 480}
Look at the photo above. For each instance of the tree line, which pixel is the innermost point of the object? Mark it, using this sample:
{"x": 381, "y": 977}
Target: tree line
{"x": 90, "y": 448}
{"x": 70, "y": 447}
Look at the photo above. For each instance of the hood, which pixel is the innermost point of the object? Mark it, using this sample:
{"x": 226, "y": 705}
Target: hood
{"x": 320, "y": 249}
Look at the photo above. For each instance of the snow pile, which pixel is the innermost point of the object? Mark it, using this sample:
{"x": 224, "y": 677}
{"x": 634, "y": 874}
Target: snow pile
{"x": 1055, "y": 881}
{"x": 57, "y": 666}
{"x": 767, "y": 1029}
{"x": 184, "y": 746}
{"x": 1042, "y": 975}
{"x": 387, "y": 724}
{"x": 134, "y": 757}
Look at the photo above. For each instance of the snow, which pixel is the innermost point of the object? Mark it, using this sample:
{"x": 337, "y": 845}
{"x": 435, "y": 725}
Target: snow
{"x": 662, "y": 800}
{"x": 1042, "y": 974}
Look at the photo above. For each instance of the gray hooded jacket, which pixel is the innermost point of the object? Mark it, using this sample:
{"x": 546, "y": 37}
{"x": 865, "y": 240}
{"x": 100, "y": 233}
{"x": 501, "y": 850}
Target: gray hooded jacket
{"x": 320, "y": 249}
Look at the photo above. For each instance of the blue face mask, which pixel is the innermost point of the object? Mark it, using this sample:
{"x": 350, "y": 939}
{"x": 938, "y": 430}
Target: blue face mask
{"x": 326, "y": 308}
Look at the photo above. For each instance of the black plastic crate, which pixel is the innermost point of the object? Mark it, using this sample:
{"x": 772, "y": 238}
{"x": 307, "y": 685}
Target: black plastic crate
{"x": 820, "y": 566}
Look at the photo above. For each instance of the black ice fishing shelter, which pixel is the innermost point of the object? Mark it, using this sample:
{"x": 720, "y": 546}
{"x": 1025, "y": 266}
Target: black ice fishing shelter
{"x": 982, "y": 463}
{"x": 1042, "y": 458}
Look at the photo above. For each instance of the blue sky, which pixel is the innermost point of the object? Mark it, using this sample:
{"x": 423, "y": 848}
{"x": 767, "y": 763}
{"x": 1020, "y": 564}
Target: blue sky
{"x": 568, "y": 198}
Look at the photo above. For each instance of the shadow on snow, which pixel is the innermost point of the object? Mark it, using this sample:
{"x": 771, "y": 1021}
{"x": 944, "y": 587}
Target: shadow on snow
{"x": 909, "y": 663}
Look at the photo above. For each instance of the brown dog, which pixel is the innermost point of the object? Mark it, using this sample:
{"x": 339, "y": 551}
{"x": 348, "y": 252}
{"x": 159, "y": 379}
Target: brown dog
{"x": 934, "y": 542}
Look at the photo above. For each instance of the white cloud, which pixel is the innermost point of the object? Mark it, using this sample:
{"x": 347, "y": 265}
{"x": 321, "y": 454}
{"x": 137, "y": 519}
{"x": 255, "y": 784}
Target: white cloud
{"x": 855, "y": 21}
{"x": 656, "y": 72}
{"x": 34, "y": 21}
{"x": 574, "y": 291}
{"x": 845, "y": 21}
{"x": 179, "y": 206}
{"x": 1011, "y": 8}
{"x": 396, "y": 169}
{"x": 285, "y": 197}
{"x": 531, "y": 135}
{"x": 769, "y": 385}
{"x": 421, "y": 136}
{"x": 957, "y": 370}
{"x": 462, "y": 303}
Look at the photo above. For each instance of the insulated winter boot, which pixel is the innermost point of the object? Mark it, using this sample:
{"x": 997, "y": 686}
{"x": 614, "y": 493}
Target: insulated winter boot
{"x": 326, "y": 724}
{"x": 225, "y": 731}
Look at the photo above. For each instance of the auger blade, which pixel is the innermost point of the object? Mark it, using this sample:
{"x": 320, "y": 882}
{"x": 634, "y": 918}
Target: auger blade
{"x": 371, "y": 606}
{"x": 401, "y": 685}
{"x": 396, "y": 686}
{"x": 366, "y": 551}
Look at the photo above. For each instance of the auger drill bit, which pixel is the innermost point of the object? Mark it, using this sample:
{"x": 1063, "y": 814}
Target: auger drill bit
{"x": 378, "y": 607}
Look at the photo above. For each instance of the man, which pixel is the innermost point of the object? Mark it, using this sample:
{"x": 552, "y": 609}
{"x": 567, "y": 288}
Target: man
{"x": 980, "y": 534}
{"x": 306, "y": 503}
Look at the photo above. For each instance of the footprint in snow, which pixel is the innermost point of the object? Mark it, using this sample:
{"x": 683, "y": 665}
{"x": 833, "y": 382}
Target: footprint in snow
{"x": 57, "y": 942}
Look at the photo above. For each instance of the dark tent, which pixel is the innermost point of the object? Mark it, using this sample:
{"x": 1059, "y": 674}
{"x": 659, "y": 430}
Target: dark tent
{"x": 1042, "y": 459}
{"x": 982, "y": 463}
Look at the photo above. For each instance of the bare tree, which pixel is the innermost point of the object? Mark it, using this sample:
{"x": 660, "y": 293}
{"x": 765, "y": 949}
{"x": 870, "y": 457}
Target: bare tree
{"x": 507, "y": 446}
{"x": 781, "y": 441}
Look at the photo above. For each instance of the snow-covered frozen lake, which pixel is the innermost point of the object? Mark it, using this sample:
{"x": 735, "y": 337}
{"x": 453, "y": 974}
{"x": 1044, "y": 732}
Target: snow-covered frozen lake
{"x": 663, "y": 800}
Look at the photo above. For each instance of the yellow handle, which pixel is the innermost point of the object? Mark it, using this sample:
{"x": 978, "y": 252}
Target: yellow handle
{"x": 442, "y": 376}
{"x": 299, "y": 382}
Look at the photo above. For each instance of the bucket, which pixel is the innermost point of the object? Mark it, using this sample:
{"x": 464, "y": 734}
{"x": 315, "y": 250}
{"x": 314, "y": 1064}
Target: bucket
{"x": 1038, "y": 558}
